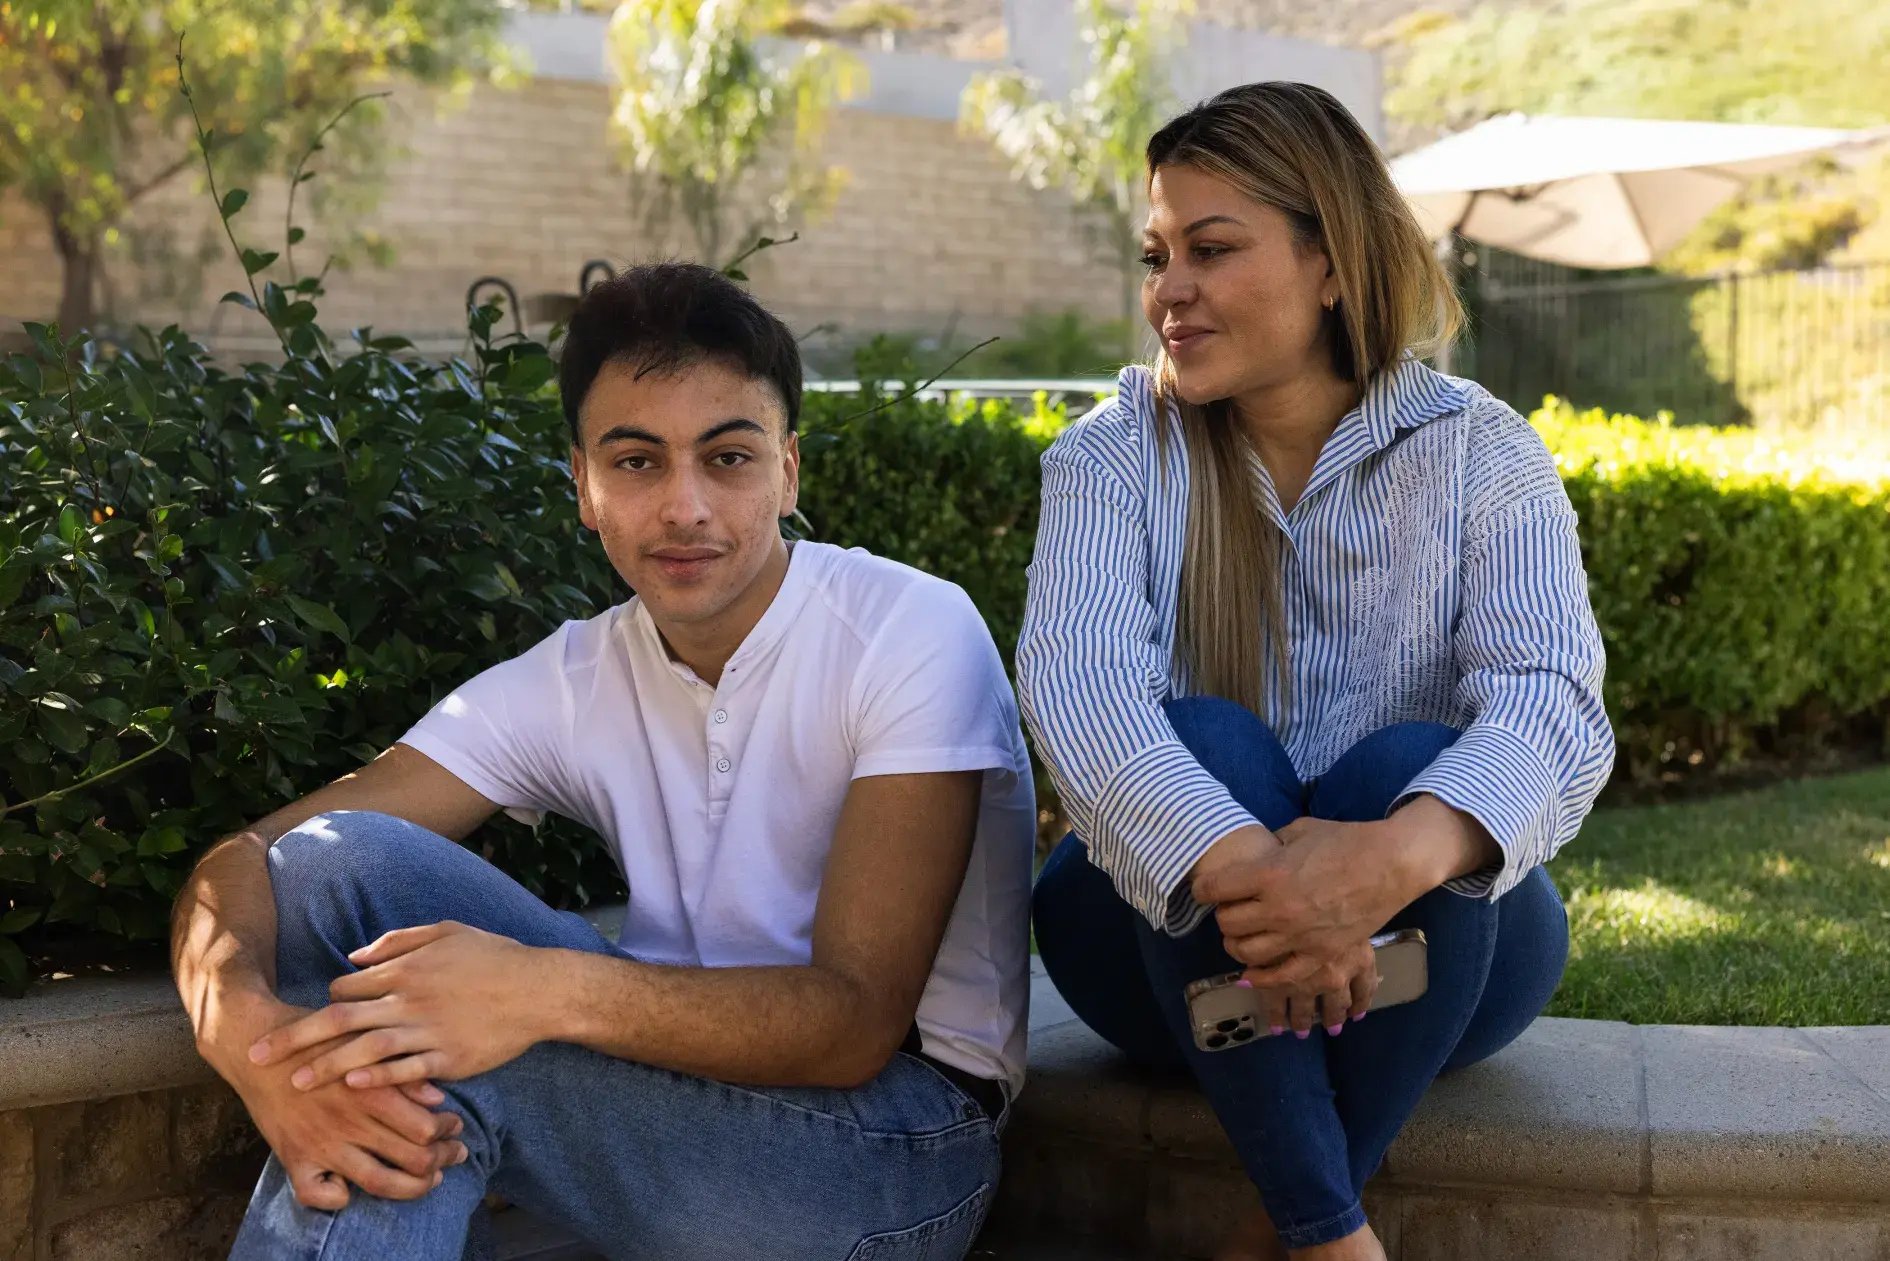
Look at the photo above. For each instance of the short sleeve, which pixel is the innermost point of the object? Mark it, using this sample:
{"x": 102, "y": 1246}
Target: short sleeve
{"x": 500, "y": 732}
{"x": 930, "y": 694}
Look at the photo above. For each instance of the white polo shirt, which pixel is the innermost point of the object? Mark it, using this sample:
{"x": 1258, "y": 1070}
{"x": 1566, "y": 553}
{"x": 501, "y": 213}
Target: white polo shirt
{"x": 722, "y": 801}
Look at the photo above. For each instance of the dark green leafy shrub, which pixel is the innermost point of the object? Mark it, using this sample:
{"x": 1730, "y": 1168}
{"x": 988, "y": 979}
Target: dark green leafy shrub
{"x": 221, "y": 588}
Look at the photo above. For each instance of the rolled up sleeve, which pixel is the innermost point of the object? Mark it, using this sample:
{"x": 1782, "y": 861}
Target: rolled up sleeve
{"x": 1091, "y": 681}
{"x": 1539, "y": 748}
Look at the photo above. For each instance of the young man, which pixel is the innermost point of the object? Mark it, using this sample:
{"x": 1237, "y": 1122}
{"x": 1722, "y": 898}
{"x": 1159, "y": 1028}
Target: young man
{"x": 809, "y": 761}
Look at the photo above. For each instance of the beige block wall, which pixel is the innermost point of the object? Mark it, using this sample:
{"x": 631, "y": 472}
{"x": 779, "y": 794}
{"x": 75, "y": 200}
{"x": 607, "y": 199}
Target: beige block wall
{"x": 524, "y": 183}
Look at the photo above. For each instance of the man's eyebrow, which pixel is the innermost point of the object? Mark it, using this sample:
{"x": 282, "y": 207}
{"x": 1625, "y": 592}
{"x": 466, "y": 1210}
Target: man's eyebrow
{"x": 630, "y": 433}
{"x": 739, "y": 423}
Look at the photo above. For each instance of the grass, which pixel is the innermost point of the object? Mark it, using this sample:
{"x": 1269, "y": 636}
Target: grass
{"x": 1764, "y": 907}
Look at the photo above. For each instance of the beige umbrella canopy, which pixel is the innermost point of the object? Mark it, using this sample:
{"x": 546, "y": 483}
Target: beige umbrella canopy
{"x": 1599, "y": 192}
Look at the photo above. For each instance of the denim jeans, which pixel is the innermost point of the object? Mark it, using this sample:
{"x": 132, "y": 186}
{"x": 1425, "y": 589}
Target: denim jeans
{"x": 639, "y": 1161}
{"x": 1310, "y": 1119}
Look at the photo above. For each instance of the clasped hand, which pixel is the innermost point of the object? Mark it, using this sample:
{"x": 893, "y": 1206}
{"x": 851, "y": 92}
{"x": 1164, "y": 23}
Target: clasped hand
{"x": 1299, "y": 911}
{"x": 440, "y": 1002}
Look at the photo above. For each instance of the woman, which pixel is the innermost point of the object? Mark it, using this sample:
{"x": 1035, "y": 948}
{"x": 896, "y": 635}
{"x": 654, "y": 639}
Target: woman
{"x": 1309, "y": 653}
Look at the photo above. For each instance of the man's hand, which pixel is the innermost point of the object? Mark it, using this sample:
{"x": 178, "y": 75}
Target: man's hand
{"x": 443, "y": 1001}
{"x": 388, "y": 1142}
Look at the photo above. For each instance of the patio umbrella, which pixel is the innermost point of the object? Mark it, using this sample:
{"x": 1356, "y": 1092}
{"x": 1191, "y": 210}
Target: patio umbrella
{"x": 1599, "y": 192}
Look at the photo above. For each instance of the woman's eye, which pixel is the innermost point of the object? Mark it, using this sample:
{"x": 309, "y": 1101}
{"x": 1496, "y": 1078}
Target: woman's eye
{"x": 1151, "y": 261}
{"x": 1209, "y": 251}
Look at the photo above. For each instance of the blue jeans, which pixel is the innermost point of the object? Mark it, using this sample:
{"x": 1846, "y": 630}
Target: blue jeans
{"x": 639, "y": 1161}
{"x": 1311, "y": 1120}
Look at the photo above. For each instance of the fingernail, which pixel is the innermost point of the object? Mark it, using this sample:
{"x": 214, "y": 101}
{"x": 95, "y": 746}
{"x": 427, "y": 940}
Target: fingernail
{"x": 1243, "y": 984}
{"x": 1276, "y": 1030}
{"x": 1302, "y": 1033}
{"x": 303, "y": 1079}
{"x": 1360, "y": 1017}
{"x": 437, "y": 1177}
{"x": 1333, "y": 1031}
{"x": 359, "y": 1077}
{"x": 259, "y": 1052}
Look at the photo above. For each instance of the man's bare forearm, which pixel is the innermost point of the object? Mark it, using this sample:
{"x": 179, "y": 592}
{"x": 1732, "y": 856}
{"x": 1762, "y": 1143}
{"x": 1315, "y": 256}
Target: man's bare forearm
{"x": 767, "y": 1026}
{"x": 223, "y": 937}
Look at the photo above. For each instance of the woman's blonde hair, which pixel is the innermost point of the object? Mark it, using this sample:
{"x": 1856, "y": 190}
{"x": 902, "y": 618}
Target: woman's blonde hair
{"x": 1291, "y": 146}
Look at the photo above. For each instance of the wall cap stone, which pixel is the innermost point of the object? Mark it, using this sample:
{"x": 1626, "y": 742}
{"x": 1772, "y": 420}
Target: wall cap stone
{"x": 1587, "y": 1107}
{"x": 1590, "y": 1107}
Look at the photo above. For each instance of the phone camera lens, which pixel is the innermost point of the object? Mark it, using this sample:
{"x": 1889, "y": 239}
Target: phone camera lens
{"x": 1241, "y": 1035}
{"x": 1228, "y": 1026}
{"x": 1215, "y": 1041}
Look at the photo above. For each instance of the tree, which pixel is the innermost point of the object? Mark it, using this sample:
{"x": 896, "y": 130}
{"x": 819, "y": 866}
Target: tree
{"x": 91, "y": 120}
{"x": 1092, "y": 144}
{"x": 707, "y": 90}
{"x": 1810, "y": 63}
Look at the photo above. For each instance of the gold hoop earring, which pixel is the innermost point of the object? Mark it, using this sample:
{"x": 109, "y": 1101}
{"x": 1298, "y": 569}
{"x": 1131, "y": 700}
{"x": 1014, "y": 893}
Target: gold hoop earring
{"x": 1330, "y": 303}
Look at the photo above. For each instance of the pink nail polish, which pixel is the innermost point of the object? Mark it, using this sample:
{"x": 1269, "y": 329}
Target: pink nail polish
{"x": 1243, "y": 984}
{"x": 1333, "y": 1031}
{"x": 1277, "y": 1030}
{"x": 1302, "y": 1034}
{"x": 1360, "y": 1016}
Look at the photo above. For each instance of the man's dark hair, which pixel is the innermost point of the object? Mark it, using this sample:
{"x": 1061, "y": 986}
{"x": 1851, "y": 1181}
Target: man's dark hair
{"x": 664, "y": 317}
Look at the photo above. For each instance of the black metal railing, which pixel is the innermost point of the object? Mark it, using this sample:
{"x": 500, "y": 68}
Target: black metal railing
{"x": 1792, "y": 349}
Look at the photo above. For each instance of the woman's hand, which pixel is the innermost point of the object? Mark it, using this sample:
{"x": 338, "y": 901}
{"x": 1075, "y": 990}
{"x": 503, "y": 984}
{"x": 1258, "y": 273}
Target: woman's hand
{"x": 1339, "y": 990}
{"x": 1298, "y": 916}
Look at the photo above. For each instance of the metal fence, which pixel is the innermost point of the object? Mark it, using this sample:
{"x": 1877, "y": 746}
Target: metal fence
{"x": 1792, "y": 349}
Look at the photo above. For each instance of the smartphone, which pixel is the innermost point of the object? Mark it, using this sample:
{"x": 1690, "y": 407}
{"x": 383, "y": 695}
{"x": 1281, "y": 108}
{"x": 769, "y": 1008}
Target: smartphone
{"x": 1224, "y": 1016}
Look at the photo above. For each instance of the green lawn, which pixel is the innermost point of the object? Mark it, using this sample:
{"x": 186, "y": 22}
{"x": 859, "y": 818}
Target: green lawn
{"x": 1765, "y": 907}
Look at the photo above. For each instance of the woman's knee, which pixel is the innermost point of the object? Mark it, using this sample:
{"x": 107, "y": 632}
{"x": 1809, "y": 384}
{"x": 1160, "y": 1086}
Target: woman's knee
{"x": 1229, "y": 740}
{"x": 1408, "y": 746}
{"x": 1371, "y": 774}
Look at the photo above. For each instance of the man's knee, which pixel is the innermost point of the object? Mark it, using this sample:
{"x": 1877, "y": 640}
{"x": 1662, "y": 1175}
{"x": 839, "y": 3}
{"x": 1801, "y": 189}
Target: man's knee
{"x": 352, "y": 848}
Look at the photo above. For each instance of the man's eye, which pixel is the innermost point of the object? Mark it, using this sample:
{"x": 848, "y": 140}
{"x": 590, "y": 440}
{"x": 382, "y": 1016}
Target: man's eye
{"x": 635, "y": 463}
{"x": 730, "y": 459}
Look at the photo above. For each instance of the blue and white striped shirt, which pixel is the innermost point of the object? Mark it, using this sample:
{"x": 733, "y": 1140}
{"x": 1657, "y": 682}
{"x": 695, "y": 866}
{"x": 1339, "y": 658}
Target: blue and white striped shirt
{"x": 1430, "y": 571}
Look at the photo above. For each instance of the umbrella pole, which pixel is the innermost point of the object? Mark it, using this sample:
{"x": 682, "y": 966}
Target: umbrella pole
{"x": 1447, "y": 258}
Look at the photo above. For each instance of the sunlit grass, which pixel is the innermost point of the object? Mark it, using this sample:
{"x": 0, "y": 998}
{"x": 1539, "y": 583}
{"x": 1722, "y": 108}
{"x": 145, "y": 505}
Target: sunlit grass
{"x": 1763, "y": 907}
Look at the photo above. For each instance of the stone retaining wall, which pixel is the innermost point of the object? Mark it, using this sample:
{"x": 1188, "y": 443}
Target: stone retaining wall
{"x": 162, "y": 1174}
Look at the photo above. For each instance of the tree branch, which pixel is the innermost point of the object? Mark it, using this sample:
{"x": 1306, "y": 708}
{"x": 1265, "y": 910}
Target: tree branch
{"x": 168, "y": 173}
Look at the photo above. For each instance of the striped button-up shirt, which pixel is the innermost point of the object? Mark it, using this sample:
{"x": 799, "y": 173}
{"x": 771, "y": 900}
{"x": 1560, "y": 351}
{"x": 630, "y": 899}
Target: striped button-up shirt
{"x": 1430, "y": 571}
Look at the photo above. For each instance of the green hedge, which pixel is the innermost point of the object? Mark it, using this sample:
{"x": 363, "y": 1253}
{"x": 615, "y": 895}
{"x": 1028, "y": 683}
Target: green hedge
{"x": 949, "y": 488}
{"x": 220, "y": 588}
{"x": 1741, "y": 581}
